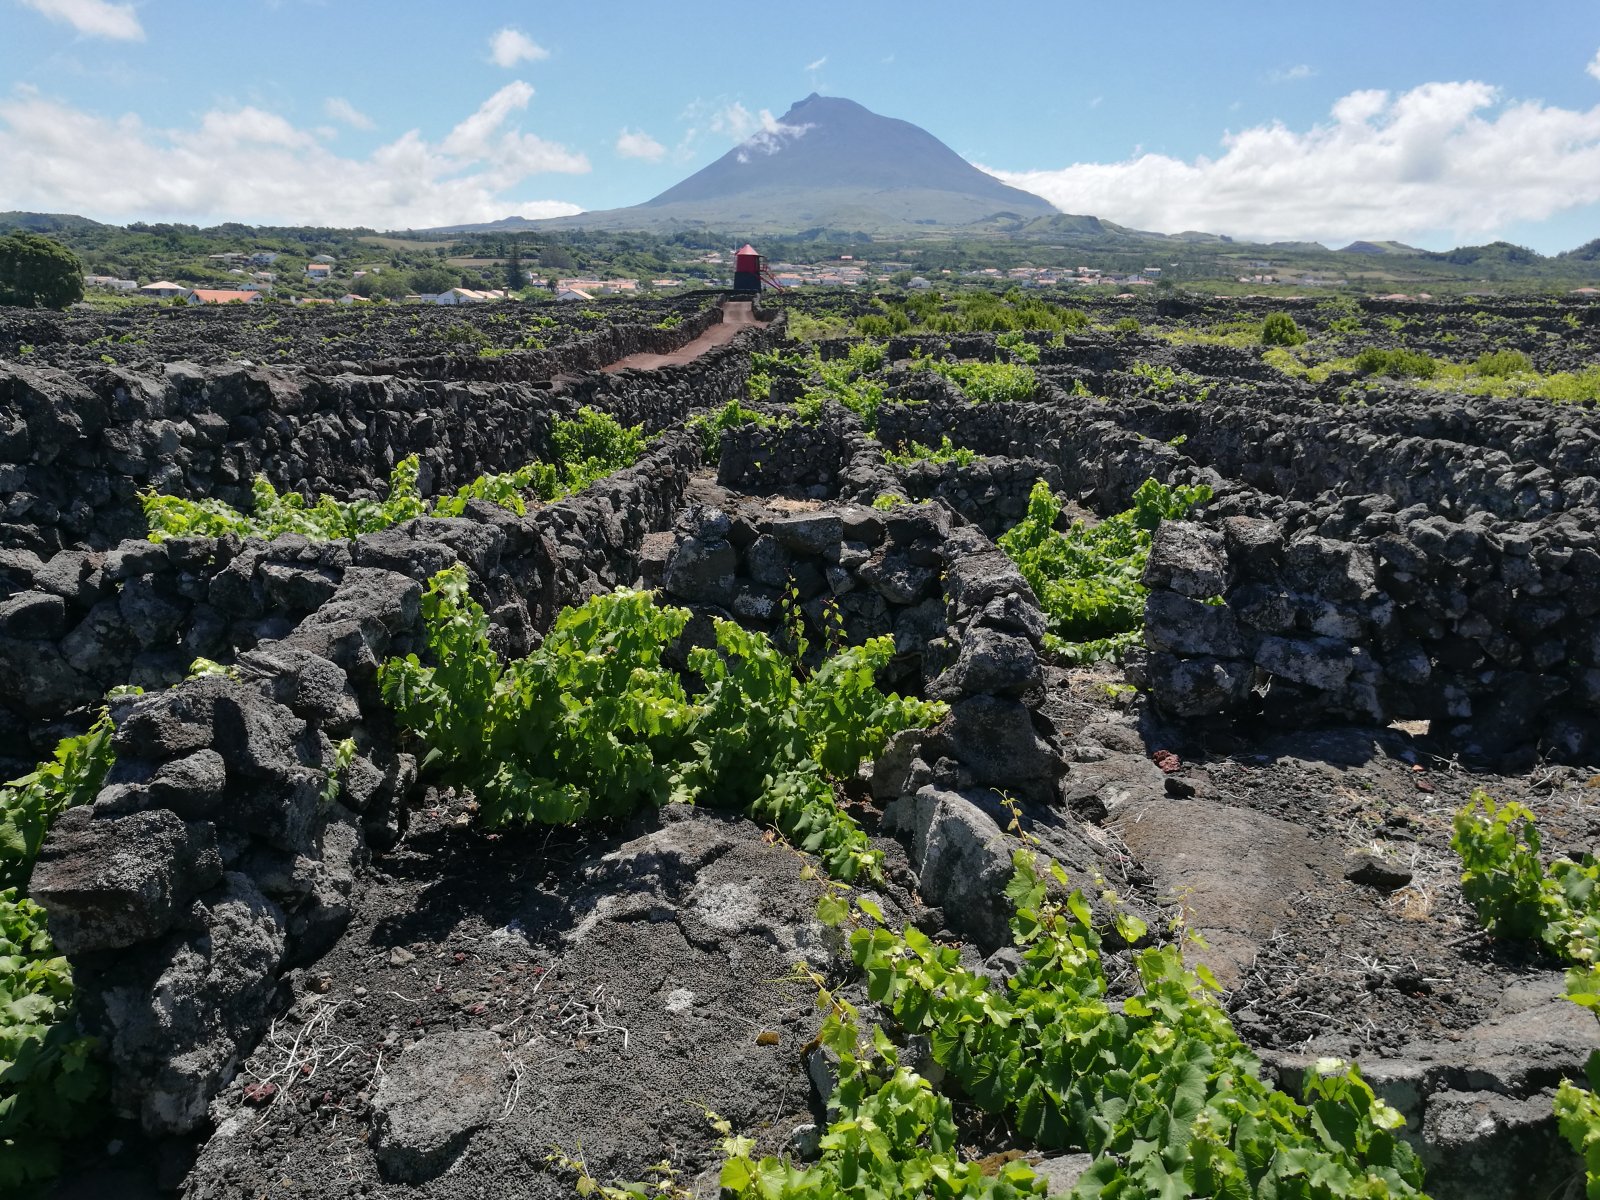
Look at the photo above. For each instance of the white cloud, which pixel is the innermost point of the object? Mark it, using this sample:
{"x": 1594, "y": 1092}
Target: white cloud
{"x": 755, "y": 133}
{"x": 511, "y": 46}
{"x": 251, "y": 165}
{"x": 637, "y": 144}
{"x": 736, "y": 122}
{"x": 341, "y": 109}
{"x": 1292, "y": 74}
{"x": 818, "y": 65}
{"x": 94, "y": 18}
{"x": 1444, "y": 158}
{"x": 1594, "y": 65}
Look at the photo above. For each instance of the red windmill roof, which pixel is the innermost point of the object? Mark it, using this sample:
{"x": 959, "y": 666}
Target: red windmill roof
{"x": 747, "y": 248}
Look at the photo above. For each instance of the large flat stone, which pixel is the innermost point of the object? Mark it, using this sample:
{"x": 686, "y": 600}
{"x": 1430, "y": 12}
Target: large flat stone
{"x": 1234, "y": 871}
{"x": 429, "y": 1102}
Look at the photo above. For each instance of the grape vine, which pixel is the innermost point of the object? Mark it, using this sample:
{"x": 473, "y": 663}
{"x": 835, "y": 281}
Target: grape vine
{"x": 1158, "y": 1088}
{"x": 592, "y": 724}
{"x": 49, "y": 1077}
{"x": 1515, "y": 895}
{"x": 1087, "y": 578}
{"x": 587, "y": 447}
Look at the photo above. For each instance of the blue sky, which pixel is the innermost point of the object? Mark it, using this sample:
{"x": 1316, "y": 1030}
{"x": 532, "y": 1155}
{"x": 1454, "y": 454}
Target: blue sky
{"x": 1434, "y": 123}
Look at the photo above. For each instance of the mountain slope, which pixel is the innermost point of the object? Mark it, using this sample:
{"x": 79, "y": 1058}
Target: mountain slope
{"x": 830, "y": 144}
{"x": 826, "y": 162}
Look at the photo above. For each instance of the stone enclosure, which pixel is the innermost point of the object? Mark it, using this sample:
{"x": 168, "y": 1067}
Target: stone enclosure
{"x": 1413, "y": 558}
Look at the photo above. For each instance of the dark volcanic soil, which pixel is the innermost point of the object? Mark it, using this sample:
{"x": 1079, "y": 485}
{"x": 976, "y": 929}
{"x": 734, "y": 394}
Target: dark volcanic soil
{"x": 631, "y": 986}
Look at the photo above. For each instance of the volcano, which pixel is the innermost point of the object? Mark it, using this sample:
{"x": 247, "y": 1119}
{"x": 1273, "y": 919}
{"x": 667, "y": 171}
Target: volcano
{"x": 826, "y": 163}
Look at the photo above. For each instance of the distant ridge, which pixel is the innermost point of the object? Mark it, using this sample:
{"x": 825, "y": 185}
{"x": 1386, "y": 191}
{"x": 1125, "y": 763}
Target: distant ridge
{"x": 1378, "y": 248}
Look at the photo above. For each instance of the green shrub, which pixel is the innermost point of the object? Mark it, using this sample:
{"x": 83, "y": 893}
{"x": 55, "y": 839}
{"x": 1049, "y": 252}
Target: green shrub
{"x": 1499, "y": 364}
{"x": 946, "y": 452}
{"x": 1020, "y": 348}
{"x": 29, "y": 805}
{"x": 874, "y": 325}
{"x": 591, "y": 446}
{"x": 464, "y": 336}
{"x": 1279, "y": 329}
{"x": 1516, "y": 895}
{"x": 588, "y": 447}
{"x": 986, "y": 383}
{"x": 50, "y": 1080}
{"x": 1087, "y": 578}
{"x": 845, "y": 380}
{"x": 1156, "y": 1086}
{"x": 709, "y": 426}
{"x": 1396, "y": 364}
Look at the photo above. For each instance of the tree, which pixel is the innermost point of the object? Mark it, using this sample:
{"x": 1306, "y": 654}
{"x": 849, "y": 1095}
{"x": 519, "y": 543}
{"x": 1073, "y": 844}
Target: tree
{"x": 38, "y": 272}
{"x": 387, "y": 286}
{"x": 1280, "y": 329}
{"x": 430, "y": 281}
{"x": 516, "y": 280}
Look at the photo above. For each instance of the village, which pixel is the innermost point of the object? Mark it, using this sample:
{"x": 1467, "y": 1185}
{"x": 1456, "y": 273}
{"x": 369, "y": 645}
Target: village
{"x": 261, "y": 279}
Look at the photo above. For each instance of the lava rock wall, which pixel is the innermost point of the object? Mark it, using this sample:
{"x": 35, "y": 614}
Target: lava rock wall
{"x": 1486, "y": 628}
{"x": 220, "y": 853}
{"x": 76, "y": 449}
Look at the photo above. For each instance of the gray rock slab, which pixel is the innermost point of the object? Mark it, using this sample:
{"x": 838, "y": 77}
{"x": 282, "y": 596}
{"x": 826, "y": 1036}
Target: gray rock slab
{"x": 430, "y": 1101}
{"x": 179, "y": 1017}
{"x": 1234, "y": 870}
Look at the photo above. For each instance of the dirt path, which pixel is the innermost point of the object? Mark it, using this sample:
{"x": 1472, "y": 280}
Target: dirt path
{"x": 737, "y": 315}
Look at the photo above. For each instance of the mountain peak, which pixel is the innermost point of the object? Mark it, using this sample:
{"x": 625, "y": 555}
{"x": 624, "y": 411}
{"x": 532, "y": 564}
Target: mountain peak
{"x": 830, "y": 143}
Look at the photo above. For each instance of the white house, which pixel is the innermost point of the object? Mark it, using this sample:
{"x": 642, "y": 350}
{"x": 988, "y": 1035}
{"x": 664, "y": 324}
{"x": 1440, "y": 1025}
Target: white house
{"x": 462, "y": 295}
{"x": 163, "y": 290}
{"x": 573, "y": 294}
{"x": 111, "y": 283}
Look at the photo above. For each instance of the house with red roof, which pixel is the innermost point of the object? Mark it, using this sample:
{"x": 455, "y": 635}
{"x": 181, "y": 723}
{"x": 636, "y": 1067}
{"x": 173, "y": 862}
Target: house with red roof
{"x": 223, "y": 296}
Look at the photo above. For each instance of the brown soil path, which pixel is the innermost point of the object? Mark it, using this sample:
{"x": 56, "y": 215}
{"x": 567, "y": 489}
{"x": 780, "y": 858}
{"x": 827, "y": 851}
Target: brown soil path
{"x": 737, "y": 315}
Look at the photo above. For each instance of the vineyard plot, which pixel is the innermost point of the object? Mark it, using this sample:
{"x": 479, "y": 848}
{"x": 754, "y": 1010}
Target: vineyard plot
{"x": 1207, "y": 620}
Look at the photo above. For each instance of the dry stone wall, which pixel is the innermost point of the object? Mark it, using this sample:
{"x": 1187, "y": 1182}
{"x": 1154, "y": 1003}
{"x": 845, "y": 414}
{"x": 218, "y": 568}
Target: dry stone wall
{"x": 76, "y": 450}
{"x": 80, "y": 620}
{"x": 221, "y": 850}
{"x": 1415, "y": 560}
{"x": 1486, "y": 628}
